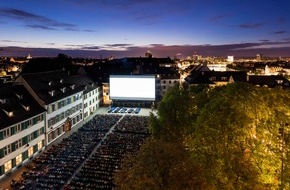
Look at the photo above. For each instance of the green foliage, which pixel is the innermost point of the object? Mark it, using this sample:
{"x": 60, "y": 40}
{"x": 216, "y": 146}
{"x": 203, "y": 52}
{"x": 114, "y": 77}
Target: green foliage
{"x": 160, "y": 165}
{"x": 176, "y": 114}
{"x": 236, "y": 137}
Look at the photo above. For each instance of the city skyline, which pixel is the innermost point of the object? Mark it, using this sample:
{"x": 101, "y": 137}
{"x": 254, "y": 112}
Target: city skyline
{"x": 87, "y": 28}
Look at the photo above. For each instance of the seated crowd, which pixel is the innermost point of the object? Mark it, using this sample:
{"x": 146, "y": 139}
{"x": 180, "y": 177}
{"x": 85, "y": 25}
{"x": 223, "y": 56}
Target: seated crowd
{"x": 97, "y": 173}
{"x": 135, "y": 124}
{"x": 57, "y": 166}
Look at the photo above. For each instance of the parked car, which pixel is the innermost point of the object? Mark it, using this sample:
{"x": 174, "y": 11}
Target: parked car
{"x": 137, "y": 110}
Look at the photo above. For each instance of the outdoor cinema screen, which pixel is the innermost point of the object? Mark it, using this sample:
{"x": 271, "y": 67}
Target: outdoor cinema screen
{"x": 132, "y": 87}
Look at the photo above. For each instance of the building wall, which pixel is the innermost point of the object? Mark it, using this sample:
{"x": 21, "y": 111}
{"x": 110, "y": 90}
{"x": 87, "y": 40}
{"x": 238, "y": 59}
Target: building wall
{"x": 165, "y": 84}
{"x": 92, "y": 101}
{"x": 25, "y": 140}
{"x": 59, "y": 112}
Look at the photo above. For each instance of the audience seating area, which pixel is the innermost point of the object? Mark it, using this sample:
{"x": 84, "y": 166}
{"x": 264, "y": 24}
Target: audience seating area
{"x": 88, "y": 158}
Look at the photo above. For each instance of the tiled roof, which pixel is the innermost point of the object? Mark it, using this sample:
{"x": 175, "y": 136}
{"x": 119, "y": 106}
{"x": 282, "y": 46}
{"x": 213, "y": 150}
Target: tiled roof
{"x": 210, "y": 77}
{"x": 17, "y": 101}
{"x": 270, "y": 81}
{"x": 58, "y": 83}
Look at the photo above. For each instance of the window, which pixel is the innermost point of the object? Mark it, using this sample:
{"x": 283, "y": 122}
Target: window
{"x": 30, "y": 137}
{"x": 18, "y": 144}
{"x": 50, "y": 122}
{"x": 39, "y": 145}
{"x": 7, "y": 166}
{"x": 59, "y": 104}
{"x": 53, "y": 107}
{"x": 41, "y": 131}
{"x": 30, "y": 151}
{"x": 17, "y": 128}
{"x": 7, "y": 149}
{"x": 18, "y": 159}
{"x": 62, "y": 116}
{"x": 6, "y": 133}
{"x": 224, "y": 78}
{"x": 68, "y": 101}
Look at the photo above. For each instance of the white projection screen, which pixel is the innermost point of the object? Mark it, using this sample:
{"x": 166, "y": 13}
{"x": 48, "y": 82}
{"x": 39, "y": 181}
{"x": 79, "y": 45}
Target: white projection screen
{"x": 132, "y": 87}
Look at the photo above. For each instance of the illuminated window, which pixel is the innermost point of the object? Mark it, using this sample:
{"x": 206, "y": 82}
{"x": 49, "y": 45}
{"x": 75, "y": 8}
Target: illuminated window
{"x": 30, "y": 151}
{"x": 10, "y": 114}
{"x": 39, "y": 145}
{"x": 7, "y": 166}
{"x": 18, "y": 159}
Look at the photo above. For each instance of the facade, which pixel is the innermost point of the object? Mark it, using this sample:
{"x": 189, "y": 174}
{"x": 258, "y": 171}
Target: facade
{"x": 21, "y": 128}
{"x": 92, "y": 99}
{"x": 63, "y": 96}
{"x": 166, "y": 81}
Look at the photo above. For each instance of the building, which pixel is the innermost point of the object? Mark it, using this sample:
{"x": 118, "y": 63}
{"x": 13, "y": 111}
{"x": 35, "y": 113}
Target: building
{"x": 202, "y": 75}
{"x": 270, "y": 81}
{"x": 230, "y": 59}
{"x": 22, "y": 123}
{"x": 62, "y": 95}
{"x": 92, "y": 96}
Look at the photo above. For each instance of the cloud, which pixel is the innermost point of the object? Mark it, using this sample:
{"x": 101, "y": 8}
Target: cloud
{"x": 218, "y": 17}
{"x": 88, "y": 30}
{"x": 12, "y": 41}
{"x": 286, "y": 39}
{"x": 237, "y": 50}
{"x": 118, "y": 45}
{"x": 281, "y": 19}
{"x": 251, "y": 25}
{"x": 263, "y": 40}
{"x": 91, "y": 48}
{"x": 37, "y": 26}
{"x": 156, "y": 45}
{"x": 51, "y": 44}
{"x": 280, "y": 32}
{"x": 36, "y": 21}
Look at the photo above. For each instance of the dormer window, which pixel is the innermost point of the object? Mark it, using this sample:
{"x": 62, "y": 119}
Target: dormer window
{"x": 3, "y": 101}
{"x": 72, "y": 86}
{"x": 279, "y": 81}
{"x": 20, "y": 96}
{"x": 63, "y": 90}
{"x": 52, "y": 92}
{"x": 49, "y": 83}
{"x": 27, "y": 108}
{"x": 10, "y": 114}
{"x": 61, "y": 80}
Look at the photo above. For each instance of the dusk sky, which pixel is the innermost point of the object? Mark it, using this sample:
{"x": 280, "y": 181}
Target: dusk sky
{"x": 120, "y": 28}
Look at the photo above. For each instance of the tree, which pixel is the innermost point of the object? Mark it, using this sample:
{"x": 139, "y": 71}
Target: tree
{"x": 160, "y": 165}
{"x": 228, "y": 137}
{"x": 236, "y": 136}
{"x": 176, "y": 113}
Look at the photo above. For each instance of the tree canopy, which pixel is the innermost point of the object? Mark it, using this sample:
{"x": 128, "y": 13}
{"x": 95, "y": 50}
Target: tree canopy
{"x": 228, "y": 137}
